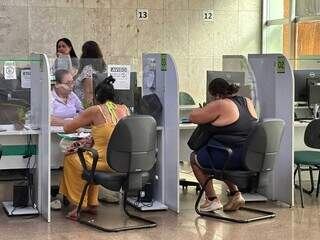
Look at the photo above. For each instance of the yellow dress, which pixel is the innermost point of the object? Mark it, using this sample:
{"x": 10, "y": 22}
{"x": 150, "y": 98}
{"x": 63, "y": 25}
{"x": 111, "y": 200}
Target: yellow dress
{"x": 72, "y": 183}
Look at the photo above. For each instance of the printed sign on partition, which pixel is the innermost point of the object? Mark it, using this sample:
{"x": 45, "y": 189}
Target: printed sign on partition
{"x": 9, "y": 70}
{"x": 121, "y": 73}
{"x": 26, "y": 78}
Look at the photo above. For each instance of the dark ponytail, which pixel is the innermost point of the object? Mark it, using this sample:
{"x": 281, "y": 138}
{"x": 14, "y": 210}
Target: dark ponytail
{"x": 105, "y": 91}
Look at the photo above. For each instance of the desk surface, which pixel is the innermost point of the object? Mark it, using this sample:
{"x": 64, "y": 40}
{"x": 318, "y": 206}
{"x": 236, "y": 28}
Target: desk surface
{"x": 302, "y": 123}
{"x": 59, "y": 129}
{"x": 187, "y": 126}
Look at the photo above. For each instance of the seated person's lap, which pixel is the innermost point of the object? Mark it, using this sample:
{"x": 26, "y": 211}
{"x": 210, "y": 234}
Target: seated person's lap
{"x": 207, "y": 157}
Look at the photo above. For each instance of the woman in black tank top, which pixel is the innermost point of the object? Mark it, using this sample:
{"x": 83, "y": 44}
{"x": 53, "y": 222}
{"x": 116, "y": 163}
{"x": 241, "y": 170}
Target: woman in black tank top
{"x": 231, "y": 119}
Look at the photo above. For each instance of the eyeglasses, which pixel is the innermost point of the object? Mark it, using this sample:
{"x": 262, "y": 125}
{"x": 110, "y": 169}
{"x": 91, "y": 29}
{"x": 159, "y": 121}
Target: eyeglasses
{"x": 69, "y": 83}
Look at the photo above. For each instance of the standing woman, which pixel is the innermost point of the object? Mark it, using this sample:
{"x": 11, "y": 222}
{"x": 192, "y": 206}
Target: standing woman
{"x": 65, "y": 49}
{"x": 91, "y": 62}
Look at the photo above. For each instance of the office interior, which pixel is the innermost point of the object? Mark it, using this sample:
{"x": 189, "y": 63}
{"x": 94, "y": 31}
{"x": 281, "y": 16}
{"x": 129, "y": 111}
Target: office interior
{"x": 269, "y": 48}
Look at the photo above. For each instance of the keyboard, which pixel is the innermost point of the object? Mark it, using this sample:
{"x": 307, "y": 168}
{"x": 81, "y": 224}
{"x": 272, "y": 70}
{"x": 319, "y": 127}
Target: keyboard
{"x": 303, "y": 113}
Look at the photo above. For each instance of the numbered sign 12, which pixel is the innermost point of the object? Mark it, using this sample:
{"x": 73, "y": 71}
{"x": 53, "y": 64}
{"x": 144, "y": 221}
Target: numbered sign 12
{"x": 142, "y": 14}
{"x": 207, "y": 15}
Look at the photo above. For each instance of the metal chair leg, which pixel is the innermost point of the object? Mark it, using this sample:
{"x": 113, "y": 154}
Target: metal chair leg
{"x": 82, "y": 198}
{"x": 262, "y": 214}
{"x": 318, "y": 185}
{"x": 300, "y": 184}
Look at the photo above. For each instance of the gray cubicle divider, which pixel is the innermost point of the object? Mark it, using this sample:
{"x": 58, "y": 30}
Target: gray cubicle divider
{"x": 160, "y": 77}
{"x": 239, "y": 63}
{"x": 40, "y": 118}
{"x": 275, "y": 86}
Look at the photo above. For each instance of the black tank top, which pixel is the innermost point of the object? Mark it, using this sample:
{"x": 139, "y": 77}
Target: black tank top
{"x": 235, "y": 133}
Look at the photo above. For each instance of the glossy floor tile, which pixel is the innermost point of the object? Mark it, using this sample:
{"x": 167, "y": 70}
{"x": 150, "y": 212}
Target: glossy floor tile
{"x": 289, "y": 223}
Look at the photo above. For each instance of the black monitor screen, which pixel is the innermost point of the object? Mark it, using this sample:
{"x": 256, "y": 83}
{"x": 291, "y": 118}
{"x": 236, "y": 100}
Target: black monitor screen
{"x": 300, "y": 83}
{"x": 314, "y": 94}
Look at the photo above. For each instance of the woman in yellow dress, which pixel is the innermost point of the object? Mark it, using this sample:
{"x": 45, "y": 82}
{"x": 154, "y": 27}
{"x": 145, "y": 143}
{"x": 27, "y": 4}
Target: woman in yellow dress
{"x": 102, "y": 118}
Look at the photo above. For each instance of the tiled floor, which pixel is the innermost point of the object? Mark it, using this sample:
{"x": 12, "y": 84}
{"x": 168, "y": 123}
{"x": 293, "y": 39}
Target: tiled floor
{"x": 290, "y": 223}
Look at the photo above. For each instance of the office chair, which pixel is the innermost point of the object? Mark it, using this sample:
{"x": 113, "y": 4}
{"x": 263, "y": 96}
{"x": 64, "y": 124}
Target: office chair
{"x": 309, "y": 158}
{"x": 260, "y": 154}
{"x": 131, "y": 151}
{"x": 185, "y": 99}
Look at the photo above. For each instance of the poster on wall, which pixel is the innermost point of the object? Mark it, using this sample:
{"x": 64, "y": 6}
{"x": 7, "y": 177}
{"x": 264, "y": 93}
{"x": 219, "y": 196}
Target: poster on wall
{"x": 121, "y": 73}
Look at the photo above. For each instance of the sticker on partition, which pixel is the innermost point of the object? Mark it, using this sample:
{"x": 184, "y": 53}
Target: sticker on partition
{"x": 142, "y": 14}
{"x": 281, "y": 64}
{"x": 26, "y": 78}
{"x": 9, "y": 70}
{"x": 163, "y": 62}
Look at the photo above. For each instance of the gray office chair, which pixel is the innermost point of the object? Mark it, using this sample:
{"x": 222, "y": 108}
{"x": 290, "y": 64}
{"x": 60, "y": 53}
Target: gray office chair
{"x": 309, "y": 158}
{"x": 260, "y": 154}
{"x": 131, "y": 152}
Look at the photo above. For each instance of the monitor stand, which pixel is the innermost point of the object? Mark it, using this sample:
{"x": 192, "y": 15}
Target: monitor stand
{"x": 18, "y": 211}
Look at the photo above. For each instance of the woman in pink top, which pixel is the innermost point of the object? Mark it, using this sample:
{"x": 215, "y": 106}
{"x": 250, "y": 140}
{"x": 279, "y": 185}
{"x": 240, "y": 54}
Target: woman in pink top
{"x": 65, "y": 104}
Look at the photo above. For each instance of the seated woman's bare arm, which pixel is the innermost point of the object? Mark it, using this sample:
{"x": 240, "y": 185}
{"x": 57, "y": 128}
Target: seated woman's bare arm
{"x": 85, "y": 118}
{"x": 209, "y": 113}
{"x": 57, "y": 121}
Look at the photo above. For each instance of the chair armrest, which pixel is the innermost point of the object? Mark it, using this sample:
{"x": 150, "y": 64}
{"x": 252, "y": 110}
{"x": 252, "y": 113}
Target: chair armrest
{"x": 225, "y": 149}
{"x": 95, "y": 157}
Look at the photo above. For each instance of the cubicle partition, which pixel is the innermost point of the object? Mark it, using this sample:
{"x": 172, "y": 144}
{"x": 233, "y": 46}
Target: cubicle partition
{"x": 275, "y": 87}
{"x": 26, "y": 86}
{"x": 160, "y": 78}
{"x": 40, "y": 119}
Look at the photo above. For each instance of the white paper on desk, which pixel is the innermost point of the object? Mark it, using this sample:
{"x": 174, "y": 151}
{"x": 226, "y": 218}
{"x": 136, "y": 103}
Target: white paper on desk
{"x": 77, "y": 135}
{"x": 26, "y": 78}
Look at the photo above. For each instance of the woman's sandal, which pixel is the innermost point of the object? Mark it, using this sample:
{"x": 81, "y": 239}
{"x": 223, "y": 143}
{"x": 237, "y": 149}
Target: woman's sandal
{"x": 72, "y": 215}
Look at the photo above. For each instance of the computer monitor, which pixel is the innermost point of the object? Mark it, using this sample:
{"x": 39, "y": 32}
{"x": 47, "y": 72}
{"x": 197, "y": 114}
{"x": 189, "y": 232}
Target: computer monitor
{"x": 237, "y": 78}
{"x": 11, "y": 90}
{"x": 314, "y": 94}
{"x": 127, "y": 96}
{"x": 301, "y": 79}
{"x": 121, "y": 96}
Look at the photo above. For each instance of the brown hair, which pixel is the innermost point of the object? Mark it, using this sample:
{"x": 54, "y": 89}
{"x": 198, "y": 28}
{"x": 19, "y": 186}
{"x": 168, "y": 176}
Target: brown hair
{"x": 219, "y": 86}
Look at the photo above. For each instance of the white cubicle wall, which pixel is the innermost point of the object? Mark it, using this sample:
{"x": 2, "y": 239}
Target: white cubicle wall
{"x": 275, "y": 87}
{"x": 160, "y": 77}
{"x": 40, "y": 118}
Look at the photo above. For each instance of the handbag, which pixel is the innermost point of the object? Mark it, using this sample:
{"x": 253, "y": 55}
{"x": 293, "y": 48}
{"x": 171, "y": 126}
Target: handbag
{"x": 200, "y": 137}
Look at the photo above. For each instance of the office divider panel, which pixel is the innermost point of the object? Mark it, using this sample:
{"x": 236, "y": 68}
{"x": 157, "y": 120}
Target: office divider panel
{"x": 160, "y": 77}
{"x": 275, "y": 87}
{"x": 40, "y": 118}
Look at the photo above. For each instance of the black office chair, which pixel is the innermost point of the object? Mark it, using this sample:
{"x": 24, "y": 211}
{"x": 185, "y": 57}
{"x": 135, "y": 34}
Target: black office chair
{"x": 131, "y": 152}
{"x": 309, "y": 158}
{"x": 260, "y": 155}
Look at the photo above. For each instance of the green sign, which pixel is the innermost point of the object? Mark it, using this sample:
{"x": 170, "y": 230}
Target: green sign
{"x": 163, "y": 62}
{"x": 281, "y": 65}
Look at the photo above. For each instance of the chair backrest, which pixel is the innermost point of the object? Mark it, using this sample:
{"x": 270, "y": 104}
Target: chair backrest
{"x": 263, "y": 145}
{"x": 185, "y": 99}
{"x": 132, "y": 146}
{"x": 312, "y": 134}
